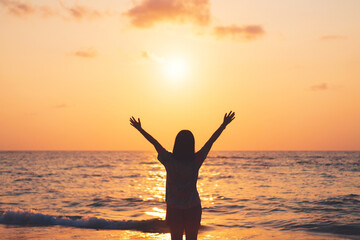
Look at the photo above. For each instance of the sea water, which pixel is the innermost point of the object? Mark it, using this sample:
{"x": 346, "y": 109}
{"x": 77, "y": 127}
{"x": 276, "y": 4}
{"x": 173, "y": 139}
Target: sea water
{"x": 121, "y": 195}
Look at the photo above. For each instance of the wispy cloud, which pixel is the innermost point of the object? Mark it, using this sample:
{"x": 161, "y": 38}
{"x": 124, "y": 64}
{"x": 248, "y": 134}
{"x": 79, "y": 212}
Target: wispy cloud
{"x": 319, "y": 87}
{"x": 18, "y": 8}
{"x": 61, "y": 105}
{"x": 86, "y": 53}
{"x": 47, "y": 11}
{"x": 249, "y": 32}
{"x": 152, "y": 57}
{"x": 149, "y": 12}
{"x": 80, "y": 12}
{"x": 332, "y": 37}
{"x": 77, "y": 12}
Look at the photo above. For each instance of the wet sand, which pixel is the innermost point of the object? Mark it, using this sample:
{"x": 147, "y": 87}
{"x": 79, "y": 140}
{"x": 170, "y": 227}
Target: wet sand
{"x": 63, "y": 233}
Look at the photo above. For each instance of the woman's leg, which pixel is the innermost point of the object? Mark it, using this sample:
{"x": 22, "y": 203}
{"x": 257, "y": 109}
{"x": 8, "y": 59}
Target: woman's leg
{"x": 191, "y": 232}
{"x": 192, "y": 222}
{"x": 176, "y": 231}
{"x": 175, "y": 221}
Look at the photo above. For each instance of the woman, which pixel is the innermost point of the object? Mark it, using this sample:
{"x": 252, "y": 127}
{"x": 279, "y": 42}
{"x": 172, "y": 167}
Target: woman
{"x": 183, "y": 212}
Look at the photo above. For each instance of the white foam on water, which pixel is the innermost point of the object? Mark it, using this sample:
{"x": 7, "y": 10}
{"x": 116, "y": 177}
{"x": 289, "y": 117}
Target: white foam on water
{"x": 32, "y": 218}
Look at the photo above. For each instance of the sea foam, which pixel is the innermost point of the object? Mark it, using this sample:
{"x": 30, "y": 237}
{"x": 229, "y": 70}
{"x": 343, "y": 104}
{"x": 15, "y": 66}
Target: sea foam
{"x": 32, "y": 218}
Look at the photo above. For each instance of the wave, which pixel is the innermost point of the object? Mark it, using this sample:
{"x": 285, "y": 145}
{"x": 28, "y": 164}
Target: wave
{"x": 243, "y": 157}
{"x": 31, "y": 218}
{"x": 316, "y": 225}
{"x": 343, "y": 204}
{"x": 342, "y": 229}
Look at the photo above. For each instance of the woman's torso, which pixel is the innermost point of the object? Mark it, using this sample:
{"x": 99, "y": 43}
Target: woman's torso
{"x": 181, "y": 179}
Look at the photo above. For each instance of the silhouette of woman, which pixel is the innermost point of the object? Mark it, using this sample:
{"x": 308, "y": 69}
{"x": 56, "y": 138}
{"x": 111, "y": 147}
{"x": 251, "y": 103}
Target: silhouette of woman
{"x": 183, "y": 211}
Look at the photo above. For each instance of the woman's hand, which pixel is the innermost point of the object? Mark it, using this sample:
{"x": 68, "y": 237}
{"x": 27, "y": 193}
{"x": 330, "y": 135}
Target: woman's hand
{"x": 153, "y": 141}
{"x": 228, "y": 118}
{"x": 135, "y": 124}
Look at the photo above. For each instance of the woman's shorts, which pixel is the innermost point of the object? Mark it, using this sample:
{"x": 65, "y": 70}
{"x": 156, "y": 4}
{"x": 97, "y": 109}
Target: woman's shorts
{"x": 175, "y": 216}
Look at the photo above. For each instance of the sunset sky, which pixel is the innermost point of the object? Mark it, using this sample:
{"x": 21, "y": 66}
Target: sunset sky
{"x": 73, "y": 72}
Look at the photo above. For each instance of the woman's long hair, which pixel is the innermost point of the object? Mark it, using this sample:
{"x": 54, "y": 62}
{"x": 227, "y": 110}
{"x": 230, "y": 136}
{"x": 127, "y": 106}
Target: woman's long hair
{"x": 184, "y": 147}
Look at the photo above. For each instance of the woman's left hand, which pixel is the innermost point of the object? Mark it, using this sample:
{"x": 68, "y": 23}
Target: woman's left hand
{"x": 135, "y": 124}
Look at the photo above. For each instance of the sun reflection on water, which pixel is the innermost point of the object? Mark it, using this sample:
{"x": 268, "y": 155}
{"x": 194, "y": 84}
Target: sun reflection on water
{"x": 157, "y": 212}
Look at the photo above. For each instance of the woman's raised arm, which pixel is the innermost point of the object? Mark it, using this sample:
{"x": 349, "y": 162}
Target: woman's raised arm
{"x": 153, "y": 141}
{"x": 206, "y": 148}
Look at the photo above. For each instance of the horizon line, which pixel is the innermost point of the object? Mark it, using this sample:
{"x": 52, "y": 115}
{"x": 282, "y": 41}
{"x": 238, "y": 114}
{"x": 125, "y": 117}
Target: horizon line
{"x": 155, "y": 150}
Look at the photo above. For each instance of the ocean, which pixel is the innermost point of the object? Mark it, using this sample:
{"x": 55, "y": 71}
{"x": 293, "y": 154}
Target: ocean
{"x": 121, "y": 195}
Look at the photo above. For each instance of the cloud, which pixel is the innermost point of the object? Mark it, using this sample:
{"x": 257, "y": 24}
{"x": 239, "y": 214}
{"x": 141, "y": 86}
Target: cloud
{"x": 145, "y": 54}
{"x": 62, "y": 105}
{"x": 319, "y": 87}
{"x": 47, "y": 11}
{"x": 87, "y": 53}
{"x": 149, "y": 12}
{"x": 79, "y": 12}
{"x": 18, "y": 8}
{"x": 248, "y": 32}
{"x": 152, "y": 57}
{"x": 332, "y": 37}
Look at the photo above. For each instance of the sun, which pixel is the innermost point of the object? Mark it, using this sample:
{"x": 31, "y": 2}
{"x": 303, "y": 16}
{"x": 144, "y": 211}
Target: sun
{"x": 175, "y": 68}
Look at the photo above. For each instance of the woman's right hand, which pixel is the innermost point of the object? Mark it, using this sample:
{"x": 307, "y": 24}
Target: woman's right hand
{"x": 228, "y": 118}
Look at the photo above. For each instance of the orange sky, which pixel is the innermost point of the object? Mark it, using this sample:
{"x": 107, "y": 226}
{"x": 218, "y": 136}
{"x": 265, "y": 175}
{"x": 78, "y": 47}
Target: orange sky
{"x": 73, "y": 72}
